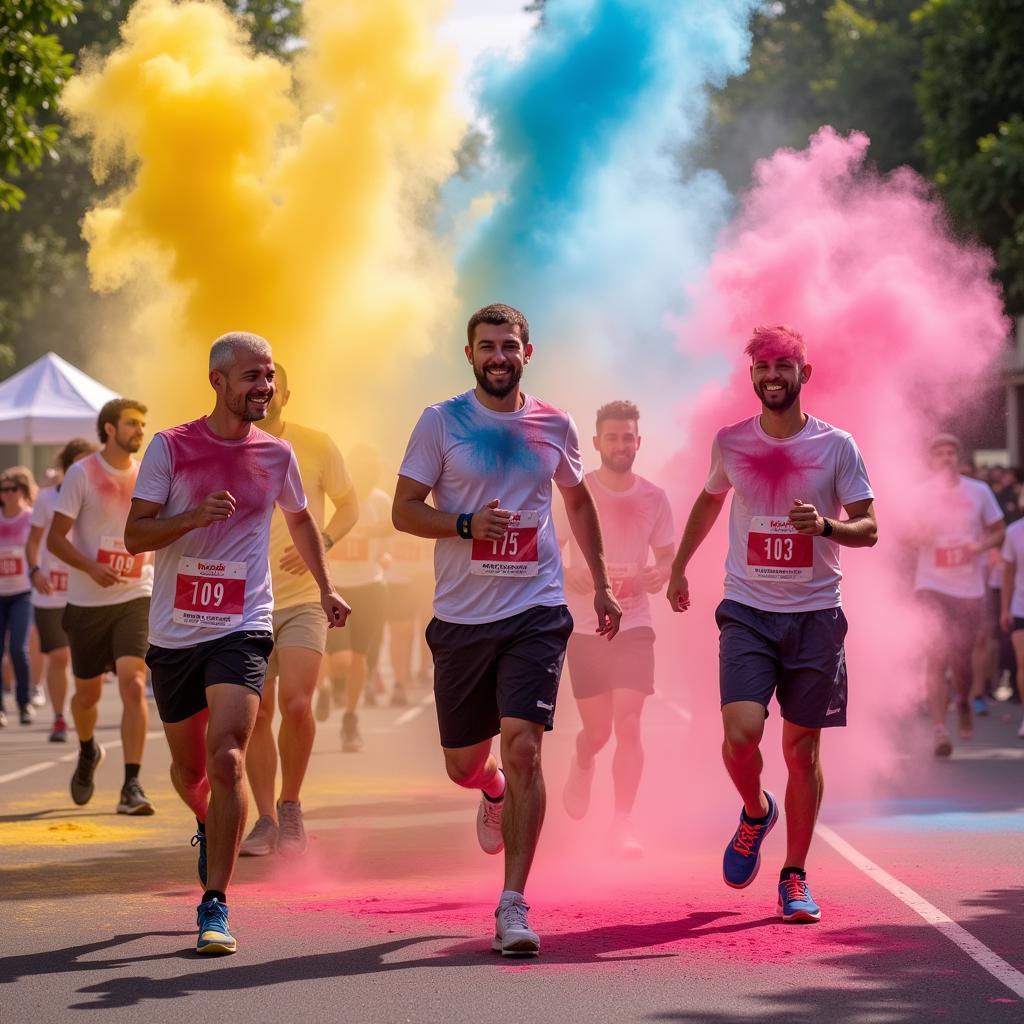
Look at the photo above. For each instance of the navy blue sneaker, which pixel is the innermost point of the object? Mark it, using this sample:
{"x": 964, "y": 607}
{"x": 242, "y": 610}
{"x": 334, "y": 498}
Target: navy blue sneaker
{"x": 214, "y": 937}
{"x": 796, "y": 904}
{"x": 742, "y": 858}
{"x": 199, "y": 839}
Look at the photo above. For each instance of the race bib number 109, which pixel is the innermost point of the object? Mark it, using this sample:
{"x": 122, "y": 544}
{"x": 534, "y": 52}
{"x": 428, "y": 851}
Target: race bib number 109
{"x": 514, "y": 555}
{"x": 775, "y": 551}
{"x": 209, "y": 592}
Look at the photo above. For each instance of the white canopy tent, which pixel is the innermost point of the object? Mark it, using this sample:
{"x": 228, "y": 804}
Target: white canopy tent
{"x": 49, "y": 402}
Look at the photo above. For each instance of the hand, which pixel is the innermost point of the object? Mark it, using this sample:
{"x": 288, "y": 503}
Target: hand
{"x": 490, "y": 522}
{"x": 1006, "y": 622}
{"x": 609, "y": 614}
{"x": 291, "y": 561}
{"x": 41, "y": 582}
{"x": 805, "y": 519}
{"x": 214, "y": 508}
{"x": 336, "y": 608}
{"x": 678, "y": 592}
{"x": 103, "y": 575}
{"x": 651, "y": 579}
{"x": 579, "y": 580}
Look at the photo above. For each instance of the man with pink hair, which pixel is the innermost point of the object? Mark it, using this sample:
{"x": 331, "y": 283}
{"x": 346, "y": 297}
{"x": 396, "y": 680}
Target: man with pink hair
{"x": 781, "y": 624}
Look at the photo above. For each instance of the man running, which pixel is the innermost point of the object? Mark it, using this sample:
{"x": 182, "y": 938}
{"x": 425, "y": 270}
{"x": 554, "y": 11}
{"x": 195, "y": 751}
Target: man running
{"x": 300, "y": 632}
{"x": 500, "y": 622}
{"x": 203, "y": 502}
{"x": 956, "y": 521}
{"x": 107, "y": 614}
{"x": 49, "y": 578}
{"x": 782, "y": 625}
{"x": 611, "y": 681}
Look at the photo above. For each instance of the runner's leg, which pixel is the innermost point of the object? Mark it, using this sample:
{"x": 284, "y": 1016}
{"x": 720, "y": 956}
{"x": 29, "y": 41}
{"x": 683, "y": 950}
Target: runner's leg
{"x": 261, "y": 757}
{"x": 57, "y": 662}
{"x": 743, "y": 723}
{"x": 525, "y": 797}
{"x": 802, "y": 750}
{"x": 628, "y": 762}
{"x": 85, "y": 706}
{"x": 299, "y": 669}
{"x": 596, "y": 720}
{"x": 187, "y": 743}
{"x": 131, "y": 681}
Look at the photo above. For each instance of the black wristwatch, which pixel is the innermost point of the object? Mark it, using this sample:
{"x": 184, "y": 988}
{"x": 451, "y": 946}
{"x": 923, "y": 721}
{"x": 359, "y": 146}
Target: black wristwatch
{"x": 828, "y": 529}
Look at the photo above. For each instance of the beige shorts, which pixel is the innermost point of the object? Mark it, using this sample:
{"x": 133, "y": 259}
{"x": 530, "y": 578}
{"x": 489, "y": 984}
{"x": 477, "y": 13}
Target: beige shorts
{"x": 300, "y": 625}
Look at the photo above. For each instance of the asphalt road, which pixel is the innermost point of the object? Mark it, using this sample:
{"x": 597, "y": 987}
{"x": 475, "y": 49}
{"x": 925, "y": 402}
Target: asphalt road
{"x": 389, "y": 916}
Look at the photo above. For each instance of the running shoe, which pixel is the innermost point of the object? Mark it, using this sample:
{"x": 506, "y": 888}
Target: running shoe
{"x": 38, "y": 697}
{"x": 943, "y": 744}
{"x": 965, "y": 720}
{"x": 399, "y": 698}
{"x": 291, "y": 836}
{"x": 199, "y": 839}
{"x": 623, "y": 841}
{"x": 323, "y": 704}
{"x": 3, "y": 719}
{"x": 796, "y": 904}
{"x": 980, "y": 706}
{"x": 59, "y": 733}
{"x": 26, "y": 714}
{"x": 134, "y": 800}
{"x": 576, "y": 795}
{"x": 351, "y": 741}
{"x": 742, "y": 859}
{"x": 513, "y": 935}
{"x": 214, "y": 937}
{"x": 262, "y": 838}
{"x": 82, "y": 785}
{"x": 488, "y": 825}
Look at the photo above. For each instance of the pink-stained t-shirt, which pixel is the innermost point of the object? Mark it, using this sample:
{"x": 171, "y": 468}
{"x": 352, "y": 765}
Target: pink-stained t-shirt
{"x": 769, "y": 565}
{"x": 13, "y": 563}
{"x": 98, "y": 497}
{"x": 52, "y": 568}
{"x": 216, "y": 580}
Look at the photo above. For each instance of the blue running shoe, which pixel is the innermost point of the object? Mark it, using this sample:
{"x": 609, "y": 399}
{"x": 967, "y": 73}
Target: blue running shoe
{"x": 214, "y": 937}
{"x": 796, "y": 904}
{"x": 199, "y": 839}
{"x": 743, "y": 854}
{"x": 980, "y": 706}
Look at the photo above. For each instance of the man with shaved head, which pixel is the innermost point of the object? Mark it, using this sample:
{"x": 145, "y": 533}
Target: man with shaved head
{"x": 203, "y": 502}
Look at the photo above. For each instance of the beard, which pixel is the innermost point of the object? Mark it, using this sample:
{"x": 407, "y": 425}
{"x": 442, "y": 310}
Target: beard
{"x": 779, "y": 401}
{"x": 618, "y": 463}
{"x": 131, "y": 446}
{"x": 239, "y": 405}
{"x": 494, "y": 388}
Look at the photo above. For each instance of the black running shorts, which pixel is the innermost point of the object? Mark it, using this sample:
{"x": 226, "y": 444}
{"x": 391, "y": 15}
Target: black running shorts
{"x": 598, "y": 665}
{"x": 494, "y": 670}
{"x": 99, "y": 636}
{"x": 49, "y": 626}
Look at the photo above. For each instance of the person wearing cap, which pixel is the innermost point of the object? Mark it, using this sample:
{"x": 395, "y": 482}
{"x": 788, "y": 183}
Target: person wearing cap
{"x": 956, "y": 521}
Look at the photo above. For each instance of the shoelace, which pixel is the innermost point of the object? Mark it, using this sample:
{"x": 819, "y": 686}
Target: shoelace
{"x": 746, "y": 836}
{"x": 213, "y": 918}
{"x": 492, "y": 813}
{"x": 198, "y": 838}
{"x": 794, "y": 889}
{"x": 514, "y": 914}
{"x": 290, "y": 824}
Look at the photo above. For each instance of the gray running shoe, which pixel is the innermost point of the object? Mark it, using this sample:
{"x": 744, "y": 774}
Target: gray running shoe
{"x": 38, "y": 697}
{"x": 488, "y": 825}
{"x": 291, "y": 836}
{"x": 351, "y": 741}
{"x": 134, "y": 800}
{"x": 261, "y": 840}
{"x": 513, "y": 935}
{"x": 82, "y": 785}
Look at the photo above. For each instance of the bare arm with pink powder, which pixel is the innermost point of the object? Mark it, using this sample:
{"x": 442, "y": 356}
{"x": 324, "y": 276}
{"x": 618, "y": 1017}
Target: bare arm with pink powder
{"x": 859, "y": 530}
{"x": 145, "y": 532}
{"x": 702, "y": 517}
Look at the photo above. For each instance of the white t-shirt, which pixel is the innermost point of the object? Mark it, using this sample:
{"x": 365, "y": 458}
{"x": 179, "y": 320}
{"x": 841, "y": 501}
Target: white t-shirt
{"x": 51, "y": 567}
{"x": 215, "y": 581}
{"x": 952, "y": 518}
{"x": 98, "y": 498}
{"x": 633, "y": 522}
{"x": 13, "y": 561}
{"x": 355, "y": 560}
{"x": 468, "y": 456}
{"x": 769, "y": 565}
{"x": 1013, "y": 551}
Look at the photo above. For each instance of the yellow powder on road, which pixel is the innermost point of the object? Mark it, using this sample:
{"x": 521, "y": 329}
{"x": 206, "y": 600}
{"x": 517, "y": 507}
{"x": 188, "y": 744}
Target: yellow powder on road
{"x": 63, "y": 833}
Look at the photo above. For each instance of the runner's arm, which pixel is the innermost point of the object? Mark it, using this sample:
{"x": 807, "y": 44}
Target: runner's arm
{"x": 995, "y": 534}
{"x": 410, "y": 513}
{"x": 57, "y": 543}
{"x": 654, "y": 577}
{"x": 32, "y": 545}
{"x": 346, "y": 514}
{"x": 702, "y": 517}
{"x": 859, "y": 530}
{"x": 310, "y": 545}
{"x": 1006, "y": 594}
{"x": 145, "y": 532}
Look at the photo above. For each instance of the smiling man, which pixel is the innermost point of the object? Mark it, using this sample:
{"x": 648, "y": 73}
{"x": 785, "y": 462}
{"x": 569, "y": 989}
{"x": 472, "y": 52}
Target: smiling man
{"x": 782, "y": 625}
{"x": 498, "y": 636}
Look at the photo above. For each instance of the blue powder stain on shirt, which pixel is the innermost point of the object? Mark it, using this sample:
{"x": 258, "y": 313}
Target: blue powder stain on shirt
{"x": 492, "y": 447}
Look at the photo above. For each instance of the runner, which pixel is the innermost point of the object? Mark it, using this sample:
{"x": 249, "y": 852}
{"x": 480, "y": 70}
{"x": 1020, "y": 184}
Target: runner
{"x": 49, "y": 577}
{"x": 781, "y": 623}
{"x": 956, "y": 520}
{"x": 300, "y": 631}
{"x": 500, "y": 622}
{"x": 1012, "y": 595}
{"x": 108, "y": 597}
{"x": 17, "y": 492}
{"x": 203, "y": 502}
{"x": 611, "y": 681}
{"x": 409, "y": 579}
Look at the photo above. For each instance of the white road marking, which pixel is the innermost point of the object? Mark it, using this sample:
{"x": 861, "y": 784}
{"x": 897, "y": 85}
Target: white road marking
{"x": 977, "y": 951}
{"x": 414, "y": 712}
{"x": 32, "y": 769}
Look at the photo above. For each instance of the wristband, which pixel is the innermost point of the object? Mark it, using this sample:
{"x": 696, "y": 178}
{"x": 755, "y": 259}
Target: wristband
{"x": 828, "y": 528}
{"x": 328, "y": 541}
{"x": 33, "y": 571}
{"x": 464, "y": 526}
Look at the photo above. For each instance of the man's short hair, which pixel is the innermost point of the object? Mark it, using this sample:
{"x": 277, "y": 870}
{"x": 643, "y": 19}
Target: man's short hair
{"x": 224, "y": 351}
{"x": 111, "y": 413}
{"x": 281, "y": 377}
{"x": 498, "y": 313}
{"x": 72, "y": 450}
{"x": 942, "y": 439}
{"x": 776, "y": 341}
{"x": 619, "y": 410}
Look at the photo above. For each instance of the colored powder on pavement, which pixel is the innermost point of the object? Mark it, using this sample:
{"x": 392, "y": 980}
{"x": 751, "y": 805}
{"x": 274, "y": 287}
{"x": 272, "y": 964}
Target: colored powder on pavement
{"x": 62, "y": 833}
{"x": 286, "y": 199}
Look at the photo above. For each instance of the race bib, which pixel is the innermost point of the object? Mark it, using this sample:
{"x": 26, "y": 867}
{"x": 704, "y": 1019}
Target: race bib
{"x": 953, "y": 557}
{"x": 625, "y": 585}
{"x": 209, "y": 592}
{"x": 351, "y": 549}
{"x": 112, "y": 552}
{"x": 405, "y": 549}
{"x": 58, "y": 581}
{"x": 12, "y": 562}
{"x": 775, "y": 551}
{"x": 514, "y": 555}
